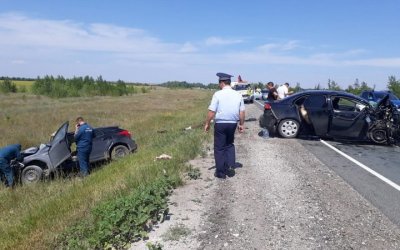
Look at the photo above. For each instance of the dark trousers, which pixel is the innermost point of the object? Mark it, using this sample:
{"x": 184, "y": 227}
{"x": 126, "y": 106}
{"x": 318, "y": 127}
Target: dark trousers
{"x": 83, "y": 158}
{"x": 8, "y": 172}
{"x": 224, "y": 149}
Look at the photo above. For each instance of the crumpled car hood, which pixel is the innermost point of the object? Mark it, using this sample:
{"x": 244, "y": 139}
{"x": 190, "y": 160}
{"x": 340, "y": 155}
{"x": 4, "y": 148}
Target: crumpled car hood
{"x": 384, "y": 102}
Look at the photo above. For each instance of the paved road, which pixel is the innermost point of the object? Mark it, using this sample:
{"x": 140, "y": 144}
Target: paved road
{"x": 384, "y": 160}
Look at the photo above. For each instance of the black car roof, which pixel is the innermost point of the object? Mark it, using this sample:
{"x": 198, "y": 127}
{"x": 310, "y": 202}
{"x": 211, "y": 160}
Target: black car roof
{"x": 107, "y": 128}
{"x": 377, "y": 91}
{"x": 322, "y": 92}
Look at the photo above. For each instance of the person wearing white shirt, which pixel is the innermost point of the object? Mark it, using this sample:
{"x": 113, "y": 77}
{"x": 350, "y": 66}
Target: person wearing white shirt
{"x": 227, "y": 107}
{"x": 283, "y": 91}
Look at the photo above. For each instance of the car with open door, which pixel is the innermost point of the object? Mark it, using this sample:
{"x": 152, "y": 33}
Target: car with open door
{"x": 42, "y": 161}
{"x": 332, "y": 114}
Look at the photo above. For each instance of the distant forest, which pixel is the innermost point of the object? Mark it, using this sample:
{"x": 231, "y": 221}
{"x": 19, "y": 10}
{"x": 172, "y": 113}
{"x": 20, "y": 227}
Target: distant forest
{"x": 187, "y": 85}
{"x": 16, "y": 78}
{"x": 59, "y": 87}
{"x": 88, "y": 86}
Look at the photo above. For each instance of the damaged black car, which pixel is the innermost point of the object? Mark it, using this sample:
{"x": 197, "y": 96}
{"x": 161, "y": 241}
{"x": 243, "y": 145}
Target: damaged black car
{"x": 40, "y": 162}
{"x": 333, "y": 115}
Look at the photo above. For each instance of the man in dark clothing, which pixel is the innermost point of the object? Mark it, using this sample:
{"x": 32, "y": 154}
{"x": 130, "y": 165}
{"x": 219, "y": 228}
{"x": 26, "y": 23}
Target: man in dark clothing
{"x": 272, "y": 93}
{"x": 83, "y": 139}
{"x": 7, "y": 154}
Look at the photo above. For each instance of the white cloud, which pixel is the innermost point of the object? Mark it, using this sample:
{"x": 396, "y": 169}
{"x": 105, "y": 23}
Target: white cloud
{"x": 18, "y": 61}
{"x": 188, "y": 48}
{"x": 23, "y": 31}
{"x": 271, "y": 47}
{"x": 212, "y": 41}
{"x": 376, "y": 62}
{"x": 338, "y": 55}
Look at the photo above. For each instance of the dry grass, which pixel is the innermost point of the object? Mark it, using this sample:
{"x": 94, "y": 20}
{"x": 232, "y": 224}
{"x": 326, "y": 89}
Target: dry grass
{"x": 31, "y": 217}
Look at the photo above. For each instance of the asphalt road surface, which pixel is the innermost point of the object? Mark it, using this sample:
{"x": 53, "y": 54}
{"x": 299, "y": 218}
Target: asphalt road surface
{"x": 382, "y": 160}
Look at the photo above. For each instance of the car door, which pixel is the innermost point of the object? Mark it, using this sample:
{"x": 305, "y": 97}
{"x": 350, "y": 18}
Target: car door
{"x": 318, "y": 112}
{"x": 59, "y": 148}
{"x": 100, "y": 145}
{"x": 348, "y": 119}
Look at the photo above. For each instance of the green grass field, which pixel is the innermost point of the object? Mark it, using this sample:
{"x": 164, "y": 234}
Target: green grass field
{"x": 33, "y": 217}
{"x": 24, "y": 86}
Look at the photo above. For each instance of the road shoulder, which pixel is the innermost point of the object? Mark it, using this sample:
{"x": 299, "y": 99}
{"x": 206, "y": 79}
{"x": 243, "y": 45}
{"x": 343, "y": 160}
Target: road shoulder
{"x": 282, "y": 198}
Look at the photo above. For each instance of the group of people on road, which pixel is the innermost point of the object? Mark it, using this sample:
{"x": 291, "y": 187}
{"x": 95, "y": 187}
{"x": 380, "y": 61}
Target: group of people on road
{"x": 83, "y": 139}
{"x": 279, "y": 93}
{"x": 228, "y": 112}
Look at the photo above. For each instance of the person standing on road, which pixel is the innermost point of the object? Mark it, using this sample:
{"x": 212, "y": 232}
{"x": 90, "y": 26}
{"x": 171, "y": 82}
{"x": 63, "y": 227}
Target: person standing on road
{"x": 283, "y": 91}
{"x": 227, "y": 107}
{"x": 272, "y": 93}
{"x": 7, "y": 154}
{"x": 83, "y": 139}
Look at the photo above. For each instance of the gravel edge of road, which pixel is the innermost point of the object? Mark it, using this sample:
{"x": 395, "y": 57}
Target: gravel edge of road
{"x": 273, "y": 202}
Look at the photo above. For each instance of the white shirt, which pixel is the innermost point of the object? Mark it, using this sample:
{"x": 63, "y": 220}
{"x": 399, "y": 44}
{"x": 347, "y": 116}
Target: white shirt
{"x": 227, "y": 103}
{"x": 282, "y": 91}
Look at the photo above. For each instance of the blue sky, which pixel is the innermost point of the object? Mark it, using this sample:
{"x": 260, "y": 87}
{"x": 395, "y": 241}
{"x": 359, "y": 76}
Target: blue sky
{"x": 156, "y": 41}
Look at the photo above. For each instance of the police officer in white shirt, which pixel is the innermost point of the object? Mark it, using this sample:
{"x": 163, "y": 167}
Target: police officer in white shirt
{"x": 227, "y": 107}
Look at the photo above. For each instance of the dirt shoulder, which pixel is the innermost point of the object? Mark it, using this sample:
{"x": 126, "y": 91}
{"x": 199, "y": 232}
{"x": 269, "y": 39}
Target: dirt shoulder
{"x": 273, "y": 202}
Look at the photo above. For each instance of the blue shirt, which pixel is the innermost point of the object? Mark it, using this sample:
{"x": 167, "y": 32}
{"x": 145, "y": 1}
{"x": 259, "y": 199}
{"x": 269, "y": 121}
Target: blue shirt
{"x": 11, "y": 152}
{"x": 84, "y": 137}
{"x": 227, "y": 103}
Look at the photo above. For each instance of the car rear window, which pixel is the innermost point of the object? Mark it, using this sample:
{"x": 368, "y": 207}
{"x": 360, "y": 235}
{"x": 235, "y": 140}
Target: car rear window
{"x": 241, "y": 87}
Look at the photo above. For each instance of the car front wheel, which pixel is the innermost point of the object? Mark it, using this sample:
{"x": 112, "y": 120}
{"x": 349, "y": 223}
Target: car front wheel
{"x": 288, "y": 128}
{"x": 119, "y": 151}
{"x": 31, "y": 174}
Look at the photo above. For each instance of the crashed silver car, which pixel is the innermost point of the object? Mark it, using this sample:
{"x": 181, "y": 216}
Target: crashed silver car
{"x": 40, "y": 162}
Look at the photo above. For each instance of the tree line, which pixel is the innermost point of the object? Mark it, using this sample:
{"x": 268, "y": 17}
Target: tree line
{"x": 7, "y": 86}
{"x": 187, "y": 85}
{"x": 59, "y": 86}
{"x": 356, "y": 88}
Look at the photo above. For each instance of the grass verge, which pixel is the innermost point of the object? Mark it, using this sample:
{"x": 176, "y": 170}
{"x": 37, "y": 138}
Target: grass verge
{"x": 34, "y": 217}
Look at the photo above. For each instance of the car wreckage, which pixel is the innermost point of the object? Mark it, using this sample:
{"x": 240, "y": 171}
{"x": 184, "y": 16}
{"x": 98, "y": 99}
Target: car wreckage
{"x": 332, "y": 114}
{"x": 42, "y": 161}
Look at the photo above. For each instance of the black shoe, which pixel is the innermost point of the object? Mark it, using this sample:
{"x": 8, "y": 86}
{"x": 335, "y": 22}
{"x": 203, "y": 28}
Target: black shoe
{"x": 230, "y": 172}
{"x": 219, "y": 175}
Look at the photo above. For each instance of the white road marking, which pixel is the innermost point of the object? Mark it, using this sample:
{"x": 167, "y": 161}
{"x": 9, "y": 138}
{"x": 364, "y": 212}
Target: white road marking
{"x": 261, "y": 104}
{"x": 381, "y": 177}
